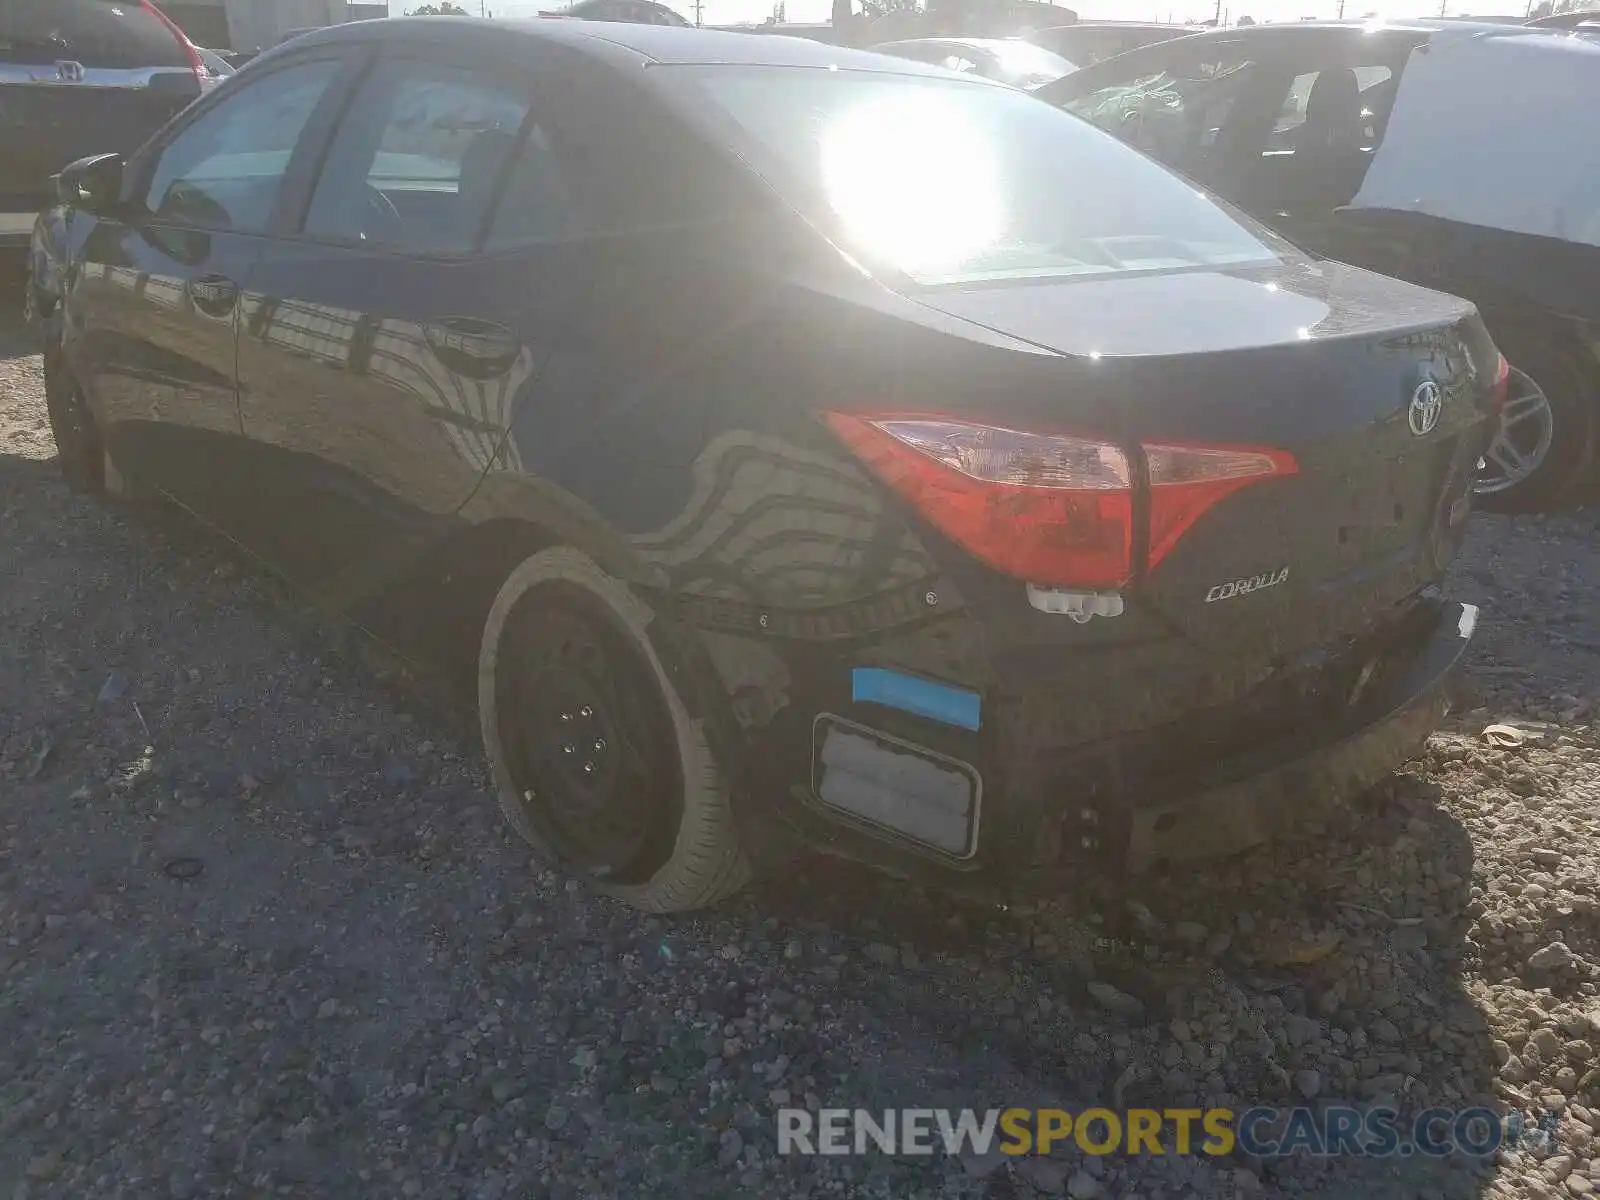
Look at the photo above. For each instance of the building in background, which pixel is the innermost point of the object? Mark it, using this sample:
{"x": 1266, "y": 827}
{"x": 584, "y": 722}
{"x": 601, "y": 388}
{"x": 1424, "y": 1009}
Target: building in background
{"x": 259, "y": 24}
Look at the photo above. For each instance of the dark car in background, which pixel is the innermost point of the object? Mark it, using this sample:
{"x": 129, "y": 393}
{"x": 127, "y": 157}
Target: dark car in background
{"x": 787, "y": 445}
{"x": 1089, "y": 42}
{"x": 82, "y": 76}
{"x": 636, "y": 12}
{"x": 1454, "y": 155}
{"x": 1577, "y": 19}
{"x": 1006, "y": 60}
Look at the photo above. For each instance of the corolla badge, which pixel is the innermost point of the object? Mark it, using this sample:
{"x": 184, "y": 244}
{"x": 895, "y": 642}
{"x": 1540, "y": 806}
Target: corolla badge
{"x": 1243, "y": 587}
{"x": 1426, "y": 402}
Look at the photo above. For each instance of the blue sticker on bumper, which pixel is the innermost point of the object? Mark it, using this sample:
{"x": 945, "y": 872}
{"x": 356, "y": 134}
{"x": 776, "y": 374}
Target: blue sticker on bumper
{"x": 948, "y": 705}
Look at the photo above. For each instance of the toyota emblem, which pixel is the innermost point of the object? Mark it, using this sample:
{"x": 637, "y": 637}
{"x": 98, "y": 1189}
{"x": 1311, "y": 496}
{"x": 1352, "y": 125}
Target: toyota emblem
{"x": 1426, "y": 402}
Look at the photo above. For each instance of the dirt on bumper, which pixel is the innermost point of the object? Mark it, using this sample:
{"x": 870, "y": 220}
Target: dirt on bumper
{"x": 1244, "y": 802}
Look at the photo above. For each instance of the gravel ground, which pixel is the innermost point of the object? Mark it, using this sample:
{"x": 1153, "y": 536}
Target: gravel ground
{"x": 262, "y": 933}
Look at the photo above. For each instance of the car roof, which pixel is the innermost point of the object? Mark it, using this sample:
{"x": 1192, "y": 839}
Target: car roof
{"x": 618, "y": 41}
{"x": 1126, "y": 26}
{"x": 1284, "y": 36}
{"x": 976, "y": 43}
{"x": 1293, "y": 30}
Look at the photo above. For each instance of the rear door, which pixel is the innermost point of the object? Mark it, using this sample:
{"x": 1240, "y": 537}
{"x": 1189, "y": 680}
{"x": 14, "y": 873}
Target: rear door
{"x": 80, "y": 77}
{"x": 385, "y": 342}
{"x": 152, "y": 301}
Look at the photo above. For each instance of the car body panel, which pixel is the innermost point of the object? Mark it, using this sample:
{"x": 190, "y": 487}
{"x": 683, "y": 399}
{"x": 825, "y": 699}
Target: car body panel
{"x": 376, "y": 423}
{"x": 154, "y": 350}
{"x": 1478, "y": 91}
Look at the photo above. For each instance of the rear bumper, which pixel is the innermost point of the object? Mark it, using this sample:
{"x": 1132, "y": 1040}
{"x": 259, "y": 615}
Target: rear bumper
{"x": 1049, "y": 811}
{"x": 1250, "y": 801}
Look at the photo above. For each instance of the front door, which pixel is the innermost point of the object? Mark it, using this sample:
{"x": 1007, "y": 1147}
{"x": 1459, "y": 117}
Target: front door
{"x": 153, "y": 300}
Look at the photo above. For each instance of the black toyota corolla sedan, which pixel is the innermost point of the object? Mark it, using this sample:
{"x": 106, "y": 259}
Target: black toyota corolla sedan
{"x": 794, "y": 446}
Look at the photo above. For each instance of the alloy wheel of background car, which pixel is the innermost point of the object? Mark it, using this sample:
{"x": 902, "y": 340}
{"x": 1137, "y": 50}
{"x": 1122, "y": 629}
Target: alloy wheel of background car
{"x": 595, "y": 760}
{"x": 1523, "y": 441}
{"x": 1541, "y": 365}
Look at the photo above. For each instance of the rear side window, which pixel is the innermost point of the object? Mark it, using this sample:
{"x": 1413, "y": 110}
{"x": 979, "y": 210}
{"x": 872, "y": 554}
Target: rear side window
{"x": 97, "y": 34}
{"x": 417, "y": 160}
{"x": 223, "y": 170}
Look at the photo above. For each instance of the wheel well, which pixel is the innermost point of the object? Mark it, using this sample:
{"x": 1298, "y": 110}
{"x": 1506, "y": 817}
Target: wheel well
{"x": 457, "y": 585}
{"x": 438, "y": 611}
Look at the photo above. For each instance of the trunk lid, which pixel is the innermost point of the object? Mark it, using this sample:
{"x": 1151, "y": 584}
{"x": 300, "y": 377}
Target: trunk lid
{"x": 1381, "y": 391}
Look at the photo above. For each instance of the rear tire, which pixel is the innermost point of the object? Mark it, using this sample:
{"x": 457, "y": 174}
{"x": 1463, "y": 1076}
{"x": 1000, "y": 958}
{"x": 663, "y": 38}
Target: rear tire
{"x": 677, "y": 790}
{"x": 1566, "y": 379}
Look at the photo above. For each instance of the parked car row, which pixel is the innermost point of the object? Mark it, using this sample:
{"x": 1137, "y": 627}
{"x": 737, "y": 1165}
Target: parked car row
{"x": 1448, "y": 154}
{"x": 80, "y": 76}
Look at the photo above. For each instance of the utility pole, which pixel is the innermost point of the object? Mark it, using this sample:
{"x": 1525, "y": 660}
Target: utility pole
{"x": 699, "y": 10}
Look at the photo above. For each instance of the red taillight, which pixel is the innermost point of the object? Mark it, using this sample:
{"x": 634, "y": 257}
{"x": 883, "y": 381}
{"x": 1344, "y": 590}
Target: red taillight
{"x": 1049, "y": 508}
{"x": 1187, "y": 480}
{"x": 1501, "y": 388}
{"x": 202, "y": 73}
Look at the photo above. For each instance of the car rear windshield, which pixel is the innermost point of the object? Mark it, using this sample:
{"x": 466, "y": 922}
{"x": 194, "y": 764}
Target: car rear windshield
{"x": 945, "y": 181}
{"x": 98, "y": 34}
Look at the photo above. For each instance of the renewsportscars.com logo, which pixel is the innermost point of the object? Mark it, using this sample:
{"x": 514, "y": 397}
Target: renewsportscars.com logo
{"x": 1333, "y": 1131}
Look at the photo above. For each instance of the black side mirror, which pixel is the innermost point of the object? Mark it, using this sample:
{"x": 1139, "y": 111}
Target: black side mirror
{"x": 93, "y": 184}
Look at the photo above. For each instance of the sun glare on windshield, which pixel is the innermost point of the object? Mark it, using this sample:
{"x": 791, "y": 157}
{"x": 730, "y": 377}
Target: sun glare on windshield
{"x": 915, "y": 182}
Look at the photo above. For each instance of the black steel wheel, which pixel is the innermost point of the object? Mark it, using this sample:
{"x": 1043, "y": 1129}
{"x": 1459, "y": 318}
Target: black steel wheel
{"x": 587, "y": 741}
{"x": 595, "y": 758}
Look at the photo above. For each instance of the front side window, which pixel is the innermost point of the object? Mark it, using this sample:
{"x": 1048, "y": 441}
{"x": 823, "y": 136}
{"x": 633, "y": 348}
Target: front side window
{"x": 415, "y": 164}
{"x": 223, "y": 171}
{"x": 950, "y": 181}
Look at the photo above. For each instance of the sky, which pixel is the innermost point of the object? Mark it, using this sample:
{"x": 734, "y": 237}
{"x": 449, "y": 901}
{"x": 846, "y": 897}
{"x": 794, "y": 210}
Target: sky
{"x": 717, "y": 12}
